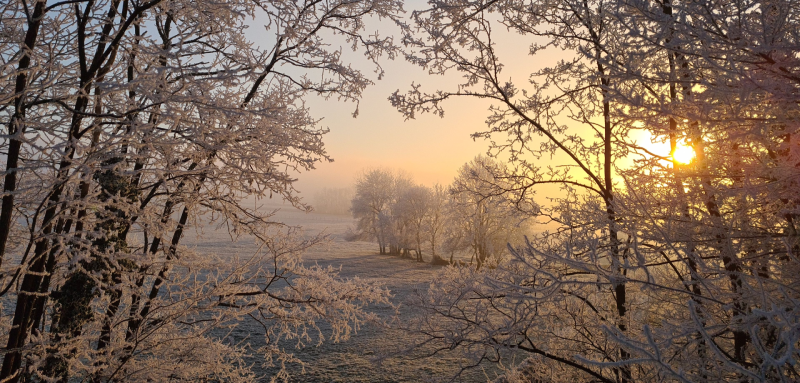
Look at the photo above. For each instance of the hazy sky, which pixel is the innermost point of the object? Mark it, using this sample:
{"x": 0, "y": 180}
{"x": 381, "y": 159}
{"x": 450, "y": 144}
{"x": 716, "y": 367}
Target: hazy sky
{"x": 430, "y": 148}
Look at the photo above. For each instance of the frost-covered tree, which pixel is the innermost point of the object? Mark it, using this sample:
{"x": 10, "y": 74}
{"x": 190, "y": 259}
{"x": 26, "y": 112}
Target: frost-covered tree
{"x": 656, "y": 270}
{"x": 725, "y": 80}
{"x": 389, "y": 210}
{"x": 413, "y": 206}
{"x": 436, "y": 221}
{"x": 127, "y": 121}
{"x": 371, "y": 206}
{"x": 483, "y": 221}
{"x": 547, "y": 117}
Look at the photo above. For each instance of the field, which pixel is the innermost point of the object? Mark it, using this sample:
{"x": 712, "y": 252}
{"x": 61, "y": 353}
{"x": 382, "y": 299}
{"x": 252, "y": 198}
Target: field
{"x": 353, "y": 360}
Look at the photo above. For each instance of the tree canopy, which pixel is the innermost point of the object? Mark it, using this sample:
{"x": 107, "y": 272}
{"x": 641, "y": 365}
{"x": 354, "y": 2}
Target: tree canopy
{"x": 129, "y": 122}
{"x": 653, "y": 269}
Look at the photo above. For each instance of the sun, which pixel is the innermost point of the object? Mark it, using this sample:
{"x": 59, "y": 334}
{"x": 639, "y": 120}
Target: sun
{"x": 683, "y": 154}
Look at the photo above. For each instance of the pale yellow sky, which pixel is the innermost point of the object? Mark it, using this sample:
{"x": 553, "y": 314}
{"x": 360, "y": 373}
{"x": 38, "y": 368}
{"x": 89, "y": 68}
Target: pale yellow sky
{"x": 430, "y": 148}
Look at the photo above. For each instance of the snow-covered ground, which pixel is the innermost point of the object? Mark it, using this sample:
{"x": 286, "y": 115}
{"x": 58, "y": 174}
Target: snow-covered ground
{"x": 352, "y": 360}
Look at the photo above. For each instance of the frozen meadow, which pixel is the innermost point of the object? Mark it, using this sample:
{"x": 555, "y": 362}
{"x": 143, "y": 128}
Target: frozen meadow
{"x": 352, "y": 360}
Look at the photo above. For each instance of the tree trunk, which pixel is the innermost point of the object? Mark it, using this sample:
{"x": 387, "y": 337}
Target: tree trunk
{"x": 16, "y": 126}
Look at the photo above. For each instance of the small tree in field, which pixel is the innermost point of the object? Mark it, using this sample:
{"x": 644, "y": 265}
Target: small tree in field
{"x": 413, "y": 206}
{"x": 371, "y": 206}
{"x": 436, "y": 221}
{"x": 391, "y": 210}
{"x": 484, "y": 222}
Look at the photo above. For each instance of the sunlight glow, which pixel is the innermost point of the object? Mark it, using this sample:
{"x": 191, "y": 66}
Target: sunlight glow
{"x": 683, "y": 154}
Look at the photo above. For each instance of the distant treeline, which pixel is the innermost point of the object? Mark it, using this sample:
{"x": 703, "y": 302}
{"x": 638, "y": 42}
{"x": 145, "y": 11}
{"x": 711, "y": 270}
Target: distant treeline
{"x": 478, "y": 216}
{"x": 334, "y": 200}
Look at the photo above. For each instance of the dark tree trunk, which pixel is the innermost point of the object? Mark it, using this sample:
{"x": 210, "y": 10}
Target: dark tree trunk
{"x": 16, "y": 126}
